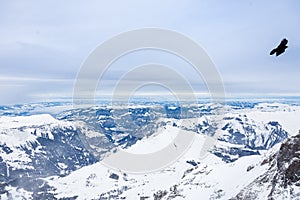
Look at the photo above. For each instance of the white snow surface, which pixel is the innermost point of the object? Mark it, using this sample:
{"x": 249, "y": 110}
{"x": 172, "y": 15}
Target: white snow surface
{"x": 17, "y": 131}
{"x": 205, "y": 180}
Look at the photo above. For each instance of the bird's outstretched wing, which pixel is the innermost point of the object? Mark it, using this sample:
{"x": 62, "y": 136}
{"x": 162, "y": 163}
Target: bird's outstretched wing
{"x": 273, "y": 51}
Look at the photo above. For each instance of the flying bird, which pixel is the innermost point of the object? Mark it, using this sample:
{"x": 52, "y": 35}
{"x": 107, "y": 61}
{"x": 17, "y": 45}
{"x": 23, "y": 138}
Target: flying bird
{"x": 281, "y": 47}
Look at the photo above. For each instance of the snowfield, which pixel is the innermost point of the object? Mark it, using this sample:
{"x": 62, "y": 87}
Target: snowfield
{"x": 210, "y": 177}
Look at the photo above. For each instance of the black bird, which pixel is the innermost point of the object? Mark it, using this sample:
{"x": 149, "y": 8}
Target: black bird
{"x": 281, "y": 47}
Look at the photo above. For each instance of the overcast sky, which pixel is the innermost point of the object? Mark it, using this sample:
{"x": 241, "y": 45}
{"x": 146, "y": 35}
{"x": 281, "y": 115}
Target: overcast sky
{"x": 44, "y": 43}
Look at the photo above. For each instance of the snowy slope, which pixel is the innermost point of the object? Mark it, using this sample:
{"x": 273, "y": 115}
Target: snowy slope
{"x": 209, "y": 177}
{"x": 37, "y": 146}
{"x": 20, "y": 132}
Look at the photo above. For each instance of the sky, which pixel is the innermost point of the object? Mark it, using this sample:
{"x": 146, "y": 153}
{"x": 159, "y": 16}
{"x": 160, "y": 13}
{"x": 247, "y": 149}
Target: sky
{"x": 43, "y": 44}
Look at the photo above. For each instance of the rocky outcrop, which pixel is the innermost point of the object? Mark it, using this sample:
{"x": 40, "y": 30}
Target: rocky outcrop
{"x": 282, "y": 178}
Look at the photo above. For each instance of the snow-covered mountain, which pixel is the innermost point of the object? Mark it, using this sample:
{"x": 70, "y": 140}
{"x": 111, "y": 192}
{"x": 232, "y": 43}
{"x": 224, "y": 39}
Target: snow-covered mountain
{"x": 281, "y": 179}
{"x": 58, "y": 155}
{"x": 38, "y": 146}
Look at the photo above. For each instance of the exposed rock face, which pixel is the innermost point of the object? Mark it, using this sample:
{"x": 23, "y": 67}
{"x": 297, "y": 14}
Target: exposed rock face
{"x": 282, "y": 179}
{"x": 288, "y": 160}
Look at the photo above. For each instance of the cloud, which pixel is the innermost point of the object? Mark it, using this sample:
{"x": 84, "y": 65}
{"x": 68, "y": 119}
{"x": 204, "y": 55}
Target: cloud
{"x": 49, "y": 41}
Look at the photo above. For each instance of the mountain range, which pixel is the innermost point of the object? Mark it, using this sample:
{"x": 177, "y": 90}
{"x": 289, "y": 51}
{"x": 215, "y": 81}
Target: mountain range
{"x": 55, "y": 151}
